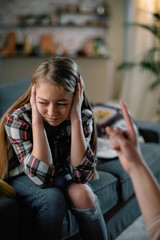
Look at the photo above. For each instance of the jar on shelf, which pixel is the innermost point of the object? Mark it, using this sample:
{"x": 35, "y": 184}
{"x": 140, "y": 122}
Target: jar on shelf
{"x": 27, "y": 45}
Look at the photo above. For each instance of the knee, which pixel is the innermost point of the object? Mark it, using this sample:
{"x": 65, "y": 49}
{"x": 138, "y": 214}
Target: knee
{"x": 81, "y": 196}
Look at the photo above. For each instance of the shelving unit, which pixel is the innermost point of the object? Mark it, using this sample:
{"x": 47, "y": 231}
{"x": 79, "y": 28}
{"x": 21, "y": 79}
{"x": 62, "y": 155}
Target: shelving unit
{"x": 88, "y": 28}
{"x": 77, "y": 32}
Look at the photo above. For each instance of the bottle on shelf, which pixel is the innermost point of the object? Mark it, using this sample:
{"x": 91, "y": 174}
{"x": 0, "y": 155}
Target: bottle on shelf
{"x": 27, "y": 45}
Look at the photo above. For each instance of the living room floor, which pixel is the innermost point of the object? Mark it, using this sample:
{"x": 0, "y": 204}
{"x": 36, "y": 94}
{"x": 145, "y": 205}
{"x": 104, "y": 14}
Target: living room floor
{"x": 136, "y": 230}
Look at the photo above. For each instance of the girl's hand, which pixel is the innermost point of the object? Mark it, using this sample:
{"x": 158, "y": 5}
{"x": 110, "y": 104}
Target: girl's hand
{"x": 125, "y": 142}
{"x": 77, "y": 100}
{"x": 36, "y": 116}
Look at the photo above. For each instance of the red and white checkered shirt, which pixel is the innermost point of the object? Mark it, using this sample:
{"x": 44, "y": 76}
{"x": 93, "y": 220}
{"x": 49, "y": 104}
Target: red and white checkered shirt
{"x": 18, "y": 126}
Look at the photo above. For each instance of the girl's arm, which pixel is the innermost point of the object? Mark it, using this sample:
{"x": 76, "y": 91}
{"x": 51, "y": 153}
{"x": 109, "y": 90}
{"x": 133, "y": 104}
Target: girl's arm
{"x": 41, "y": 149}
{"x": 82, "y": 159}
{"x": 35, "y": 158}
{"x": 19, "y": 132}
{"x": 78, "y": 142}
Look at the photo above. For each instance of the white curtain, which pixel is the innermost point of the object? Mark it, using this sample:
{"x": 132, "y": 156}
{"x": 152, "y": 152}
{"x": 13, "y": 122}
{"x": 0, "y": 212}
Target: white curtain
{"x": 141, "y": 102}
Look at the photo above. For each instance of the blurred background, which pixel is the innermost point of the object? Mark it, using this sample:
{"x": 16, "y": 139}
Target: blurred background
{"x": 99, "y": 35}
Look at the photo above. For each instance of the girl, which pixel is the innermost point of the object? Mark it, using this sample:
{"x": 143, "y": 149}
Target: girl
{"x": 49, "y": 154}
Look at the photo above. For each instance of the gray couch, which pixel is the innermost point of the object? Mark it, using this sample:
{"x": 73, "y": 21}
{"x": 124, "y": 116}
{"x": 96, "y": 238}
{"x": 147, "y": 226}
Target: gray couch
{"x": 114, "y": 187}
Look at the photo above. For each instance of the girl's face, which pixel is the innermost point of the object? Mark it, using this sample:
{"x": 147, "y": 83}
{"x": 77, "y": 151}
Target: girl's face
{"x": 53, "y": 103}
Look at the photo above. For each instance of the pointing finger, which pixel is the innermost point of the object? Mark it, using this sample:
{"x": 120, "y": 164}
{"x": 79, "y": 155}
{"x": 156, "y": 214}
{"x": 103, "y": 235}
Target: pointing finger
{"x": 130, "y": 132}
{"x": 126, "y": 116}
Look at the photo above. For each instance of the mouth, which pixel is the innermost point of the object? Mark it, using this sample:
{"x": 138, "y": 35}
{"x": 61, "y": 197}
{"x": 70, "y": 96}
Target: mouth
{"x": 54, "y": 119}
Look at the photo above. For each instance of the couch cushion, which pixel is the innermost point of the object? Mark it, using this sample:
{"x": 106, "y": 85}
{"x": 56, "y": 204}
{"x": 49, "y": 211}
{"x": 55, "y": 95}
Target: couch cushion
{"x": 10, "y": 92}
{"x": 9, "y": 218}
{"x": 151, "y": 154}
{"x": 149, "y": 130}
{"x": 125, "y": 188}
{"x": 106, "y": 189}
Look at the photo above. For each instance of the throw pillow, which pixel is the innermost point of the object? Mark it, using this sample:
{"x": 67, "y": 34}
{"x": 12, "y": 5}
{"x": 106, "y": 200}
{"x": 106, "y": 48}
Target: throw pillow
{"x": 108, "y": 114}
{"x": 6, "y": 190}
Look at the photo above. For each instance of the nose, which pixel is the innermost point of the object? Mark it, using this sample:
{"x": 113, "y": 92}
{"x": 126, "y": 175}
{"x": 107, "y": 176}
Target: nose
{"x": 52, "y": 110}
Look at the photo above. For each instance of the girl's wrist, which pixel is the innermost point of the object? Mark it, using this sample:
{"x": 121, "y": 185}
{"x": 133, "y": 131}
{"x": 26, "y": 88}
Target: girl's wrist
{"x": 37, "y": 122}
{"x": 37, "y": 119}
{"x": 75, "y": 117}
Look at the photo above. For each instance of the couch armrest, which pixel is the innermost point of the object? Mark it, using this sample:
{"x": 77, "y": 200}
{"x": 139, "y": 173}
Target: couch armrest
{"x": 9, "y": 218}
{"x": 11, "y": 91}
{"x": 149, "y": 130}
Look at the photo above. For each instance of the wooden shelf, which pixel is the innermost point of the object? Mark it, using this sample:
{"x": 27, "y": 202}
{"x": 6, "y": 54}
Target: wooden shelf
{"x": 45, "y": 56}
{"x": 55, "y": 26}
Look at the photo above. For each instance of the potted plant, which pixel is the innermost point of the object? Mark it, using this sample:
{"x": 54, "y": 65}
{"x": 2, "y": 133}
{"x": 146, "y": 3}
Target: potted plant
{"x": 151, "y": 59}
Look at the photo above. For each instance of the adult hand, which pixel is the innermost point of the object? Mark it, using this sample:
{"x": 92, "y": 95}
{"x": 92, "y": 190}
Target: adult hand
{"x": 36, "y": 116}
{"x": 77, "y": 100}
{"x": 125, "y": 142}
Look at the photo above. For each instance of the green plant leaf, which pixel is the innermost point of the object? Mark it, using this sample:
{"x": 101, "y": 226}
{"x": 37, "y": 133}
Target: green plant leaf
{"x": 154, "y": 84}
{"x": 152, "y": 66}
{"x": 156, "y": 16}
{"x": 154, "y": 29}
{"x": 126, "y": 65}
{"x": 151, "y": 53}
{"x": 151, "y": 59}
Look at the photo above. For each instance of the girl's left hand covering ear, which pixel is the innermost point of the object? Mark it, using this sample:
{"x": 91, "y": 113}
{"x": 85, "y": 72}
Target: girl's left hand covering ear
{"x": 81, "y": 86}
{"x": 78, "y": 98}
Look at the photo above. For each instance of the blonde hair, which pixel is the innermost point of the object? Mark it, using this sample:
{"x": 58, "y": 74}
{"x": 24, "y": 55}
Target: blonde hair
{"x": 59, "y": 70}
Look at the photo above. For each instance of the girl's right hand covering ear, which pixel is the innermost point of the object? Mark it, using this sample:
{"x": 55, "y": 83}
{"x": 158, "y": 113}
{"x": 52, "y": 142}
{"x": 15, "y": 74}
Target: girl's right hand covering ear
{"x": 77, "y": 99}
{"x": 33, "y": 95}
{"x": 36, "y": 116}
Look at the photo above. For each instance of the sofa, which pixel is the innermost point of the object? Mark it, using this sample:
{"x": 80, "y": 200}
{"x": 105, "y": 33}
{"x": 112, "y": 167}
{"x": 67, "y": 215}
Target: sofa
{"x": 113, "y": 188}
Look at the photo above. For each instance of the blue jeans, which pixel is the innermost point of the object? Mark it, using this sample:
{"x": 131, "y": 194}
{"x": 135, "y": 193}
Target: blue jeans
{"x": 49, "y": 206}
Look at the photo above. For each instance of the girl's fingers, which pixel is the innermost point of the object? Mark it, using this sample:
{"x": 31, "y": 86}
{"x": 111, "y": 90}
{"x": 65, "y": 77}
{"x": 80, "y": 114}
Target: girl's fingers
{"x": 33, "y": 94}
{"x": 33, "y": 90}
{"x": 80, "y": 79}
{"x": 81, "y": 83}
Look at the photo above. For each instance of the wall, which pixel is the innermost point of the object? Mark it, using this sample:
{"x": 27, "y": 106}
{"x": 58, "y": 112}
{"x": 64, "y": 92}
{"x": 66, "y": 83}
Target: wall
{"x": 116, "y": 39}
{"x": 97, "y": 74}
{"x": 135, "y": 88}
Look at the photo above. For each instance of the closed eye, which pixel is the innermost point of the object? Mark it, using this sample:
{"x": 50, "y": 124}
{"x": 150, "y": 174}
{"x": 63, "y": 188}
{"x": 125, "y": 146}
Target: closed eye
{"x": 43, "y": 103}
{"x": 62, "y": 104}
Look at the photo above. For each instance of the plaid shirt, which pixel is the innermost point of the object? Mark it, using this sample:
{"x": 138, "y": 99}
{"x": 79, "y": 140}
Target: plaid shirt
{"x": 18, "y": 128}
